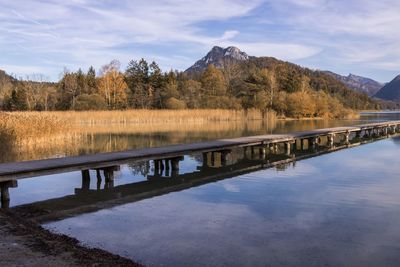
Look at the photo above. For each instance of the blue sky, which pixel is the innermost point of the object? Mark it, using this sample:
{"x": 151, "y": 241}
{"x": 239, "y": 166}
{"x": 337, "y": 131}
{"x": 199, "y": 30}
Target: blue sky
{"x": 46, "y": 36}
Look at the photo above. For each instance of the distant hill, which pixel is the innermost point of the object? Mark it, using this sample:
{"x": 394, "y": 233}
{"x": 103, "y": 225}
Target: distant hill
{"x": 238, "y": 66}
{"x": 358, "y": 83}
{"x": 5, "y": 77}
{"x": 390, "y": 91}
{"x": 219, "y": 57}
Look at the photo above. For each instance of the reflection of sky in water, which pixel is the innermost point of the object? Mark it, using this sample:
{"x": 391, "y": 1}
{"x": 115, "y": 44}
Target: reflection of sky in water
{"x": 341, "y": 209}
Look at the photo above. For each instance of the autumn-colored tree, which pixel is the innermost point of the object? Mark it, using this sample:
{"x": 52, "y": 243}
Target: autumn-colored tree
{"x": 300, "y": 104}
{"x": 112, "y": 86}
{"x": 213, "y": 82}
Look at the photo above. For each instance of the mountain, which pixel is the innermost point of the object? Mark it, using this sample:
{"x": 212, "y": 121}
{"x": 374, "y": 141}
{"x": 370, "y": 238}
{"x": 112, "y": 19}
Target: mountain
{"x": 391, "y": 91}
{"x": 245, "y": 74}
{"x": 358, "y": 83}
{"x": 219, "y": 57}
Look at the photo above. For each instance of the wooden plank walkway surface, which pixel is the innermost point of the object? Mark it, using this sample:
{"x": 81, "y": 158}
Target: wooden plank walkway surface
{"x": 24, "y": 169}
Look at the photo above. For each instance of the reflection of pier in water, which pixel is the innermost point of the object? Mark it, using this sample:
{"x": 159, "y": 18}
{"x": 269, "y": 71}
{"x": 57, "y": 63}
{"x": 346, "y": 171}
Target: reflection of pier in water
{"x": 165, "y": 176}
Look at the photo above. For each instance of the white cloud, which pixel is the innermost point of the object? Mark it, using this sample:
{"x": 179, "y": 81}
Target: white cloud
{"x": 85, "y": 32}
{"x": 355, "y": 33}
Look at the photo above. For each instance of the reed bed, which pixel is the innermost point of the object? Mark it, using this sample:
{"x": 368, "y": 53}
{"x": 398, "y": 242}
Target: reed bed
{"x": 31, "y": 124}
{"x": 47, "y": 134}
{"x": 143, "y": 116}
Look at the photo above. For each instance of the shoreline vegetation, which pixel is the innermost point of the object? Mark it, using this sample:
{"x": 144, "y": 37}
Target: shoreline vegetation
{"x": 25, "y": 135}
{"x": 264, "y": 84}
{"x": 33, "y": 126}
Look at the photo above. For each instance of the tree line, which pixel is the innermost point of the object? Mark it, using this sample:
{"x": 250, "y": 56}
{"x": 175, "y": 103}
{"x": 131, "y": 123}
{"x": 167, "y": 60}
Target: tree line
{"x": 261, "y": 83}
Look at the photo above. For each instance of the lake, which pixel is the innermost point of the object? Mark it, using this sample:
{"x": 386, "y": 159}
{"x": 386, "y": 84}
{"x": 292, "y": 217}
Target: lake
{"x": 340, "y": 208}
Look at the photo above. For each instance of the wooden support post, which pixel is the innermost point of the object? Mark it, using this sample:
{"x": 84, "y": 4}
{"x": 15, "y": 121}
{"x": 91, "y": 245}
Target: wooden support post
{"x": 276, "y": 148}
{"x": 288, "y": 146}
{"x": 175, "y": 164}
{"x": 5, "y": 193}
{"x": 167, "y": 167}
{"x": 85, "y": 179}
{"x": 5, "y": 197}
{"x": 108, "y": 174}
{"x": 98, "y": 175}
{"x": 212, "y": 159}
{"x": 262, "y": 152}
{"x": 347, "y": 137}
{"x": 331, "y": 140}
{"x": 298, "y": 144}
{"x": 205, "y": 159}
{"x": 253, "y": 151}
{"x": 224, "y": 157}
{"x": 161, "y": 167}
{"x": 156, "y": 167}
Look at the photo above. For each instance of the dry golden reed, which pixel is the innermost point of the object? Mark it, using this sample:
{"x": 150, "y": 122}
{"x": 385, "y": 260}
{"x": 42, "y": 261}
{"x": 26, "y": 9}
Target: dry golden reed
{"x": 31, "y": 124}
{"x": 25, "y": 127}
{"x": 143, "y": 116}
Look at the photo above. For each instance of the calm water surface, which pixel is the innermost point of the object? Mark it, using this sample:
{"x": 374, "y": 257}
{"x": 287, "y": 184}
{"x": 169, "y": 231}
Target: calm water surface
{"x": 337, "y": 209}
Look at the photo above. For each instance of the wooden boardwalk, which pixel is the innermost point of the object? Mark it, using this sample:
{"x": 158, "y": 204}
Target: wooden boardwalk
{"x": 25, "y": 169}
{"x": 86, "y": 199}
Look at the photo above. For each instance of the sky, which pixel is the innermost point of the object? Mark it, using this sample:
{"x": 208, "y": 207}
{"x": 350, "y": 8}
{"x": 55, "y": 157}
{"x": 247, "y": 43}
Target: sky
{"x": 345, "y": 36}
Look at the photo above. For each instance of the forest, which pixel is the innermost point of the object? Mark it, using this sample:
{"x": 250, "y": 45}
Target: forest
{"x": 265, "y": 84}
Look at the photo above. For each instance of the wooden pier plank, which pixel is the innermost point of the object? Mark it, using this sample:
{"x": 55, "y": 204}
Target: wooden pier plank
{"x": 24, "y": 169}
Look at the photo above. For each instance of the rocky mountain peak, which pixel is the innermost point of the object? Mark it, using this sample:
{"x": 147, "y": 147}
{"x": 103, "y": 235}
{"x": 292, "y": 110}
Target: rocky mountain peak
{"x": 218, "y": 56}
